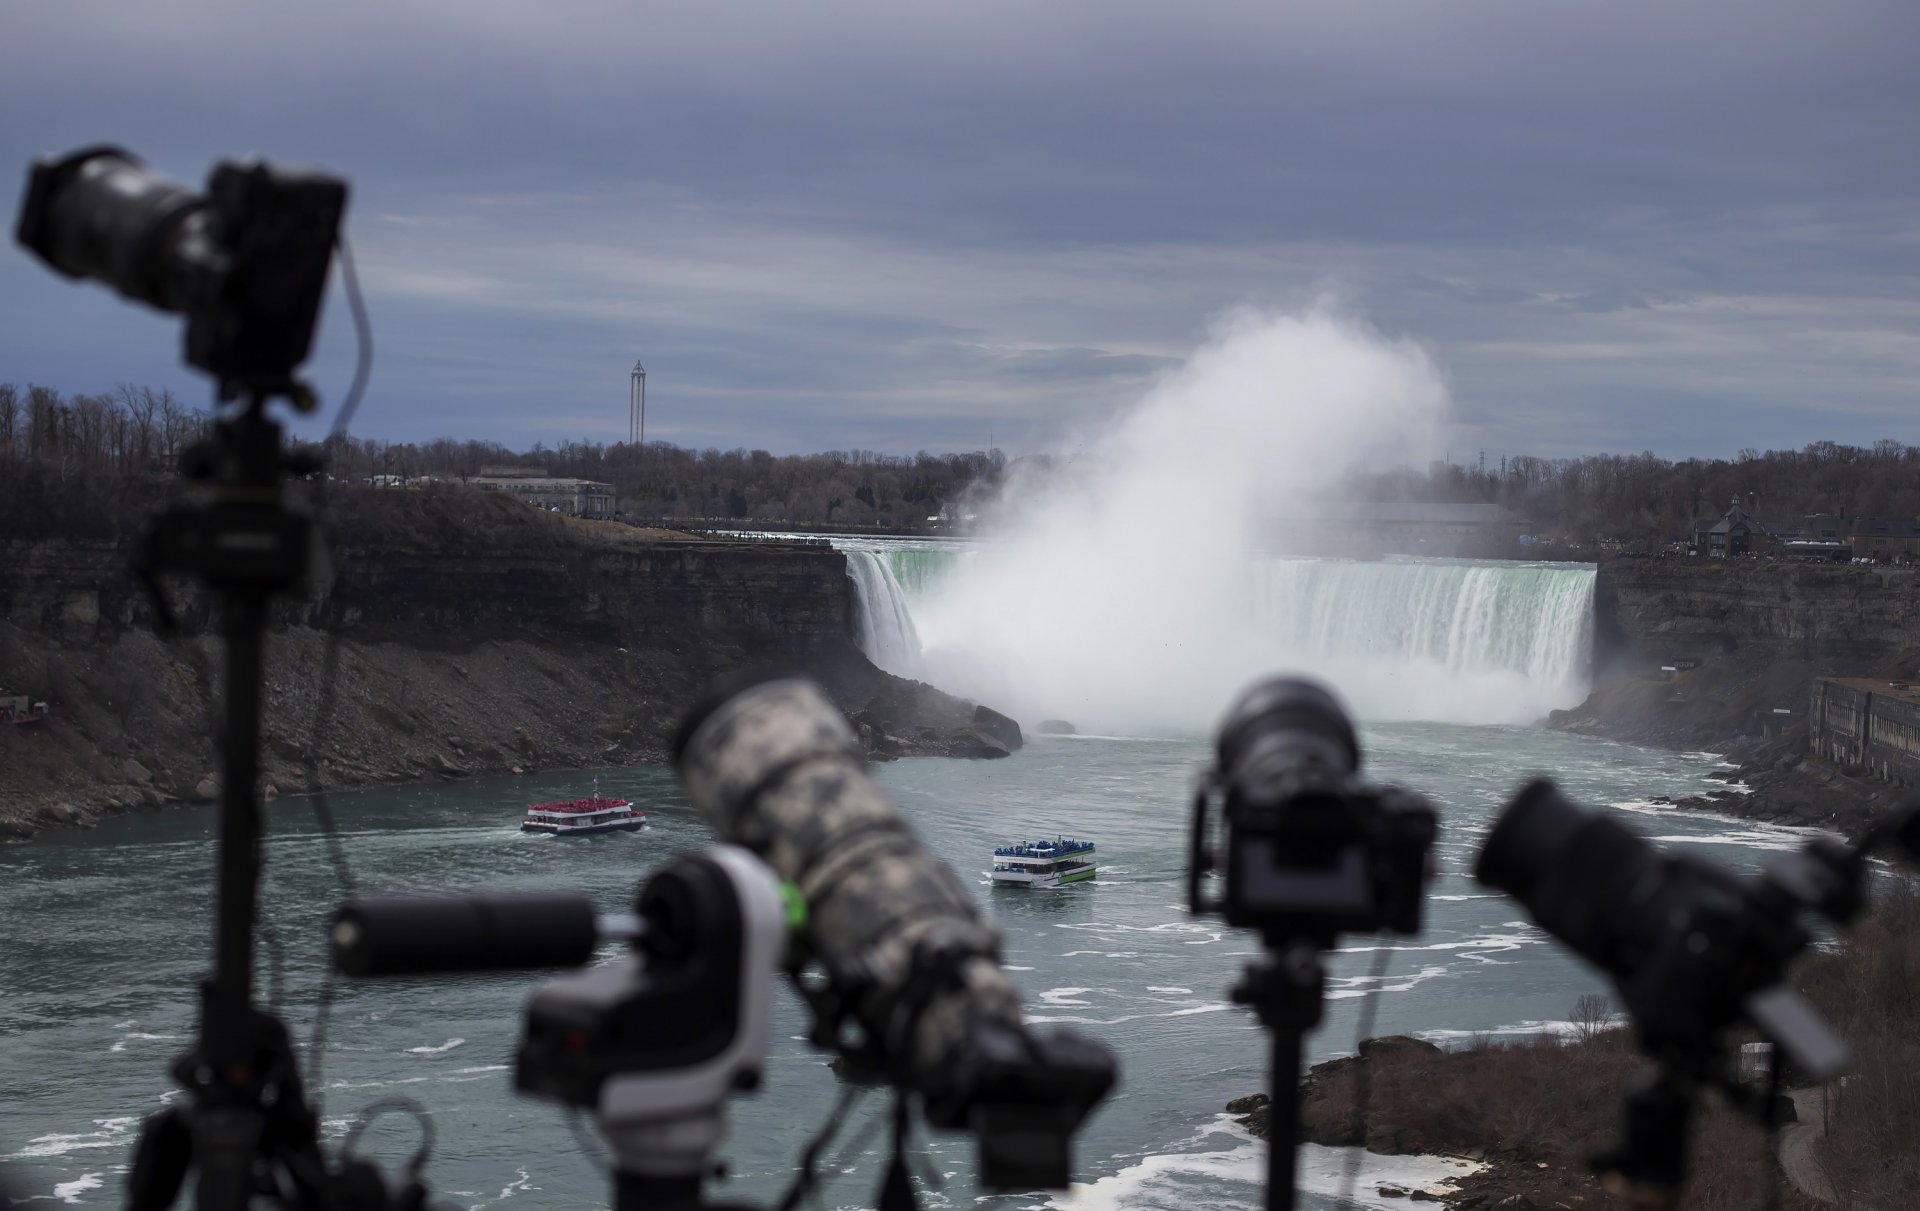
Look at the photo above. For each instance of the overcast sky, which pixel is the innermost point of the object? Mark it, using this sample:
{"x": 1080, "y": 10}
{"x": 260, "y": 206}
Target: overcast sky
{"x": 897, "y": 225}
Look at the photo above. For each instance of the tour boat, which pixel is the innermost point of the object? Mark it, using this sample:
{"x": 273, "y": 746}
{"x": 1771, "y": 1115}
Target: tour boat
{"x": 577, "y": 817}
{"x": 1043, "y": 863}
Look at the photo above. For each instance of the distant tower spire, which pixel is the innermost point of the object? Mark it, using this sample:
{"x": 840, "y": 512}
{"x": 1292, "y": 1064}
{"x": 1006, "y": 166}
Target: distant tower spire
{"x": 637, "y": 406}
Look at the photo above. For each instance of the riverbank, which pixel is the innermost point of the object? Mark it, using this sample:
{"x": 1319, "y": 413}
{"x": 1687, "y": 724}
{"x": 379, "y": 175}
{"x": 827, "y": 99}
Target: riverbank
{"x": 1727, "y": 708}
{"x": 1534, "y": 1110}
{"x": 138, "y": 731}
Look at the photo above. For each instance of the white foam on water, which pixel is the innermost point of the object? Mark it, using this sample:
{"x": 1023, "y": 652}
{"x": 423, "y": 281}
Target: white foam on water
{"x": 1059, "y": 997}
{"x": 1323, "y": 1171}
{"x": 1171, "y": 1181}
{"x": 1182, "y": 1180}
{"x": 137, "y": 1037}
{"x": 522, "y": 1182}
{"x": 1181, "y": 991}
{"x": 1406, "y": 983}
{"x": 1457, "y": 899}
{"x": 1190, "y": 1011}
{"x": 443, "y": 1048}
{"x": 70, "y": 1192}
{"x": 1496, "y": 942}
{"x": 111, "y": 1134}
{"x": 1012, "y": 968}
{"x": 1562, "y": 1029}
{"x": 503, "y": 1067}
{"x": 1117, "y": 927}
{"x": 1774, "y": 838}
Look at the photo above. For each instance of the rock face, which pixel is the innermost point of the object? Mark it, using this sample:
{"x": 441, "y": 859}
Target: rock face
{"x": 1654, "y": 611}
{"x": 506, "y": 643}
{"x": 1747, "y": 640}
{"x": 645, "y": 594}
{"x": 991, "y": 723}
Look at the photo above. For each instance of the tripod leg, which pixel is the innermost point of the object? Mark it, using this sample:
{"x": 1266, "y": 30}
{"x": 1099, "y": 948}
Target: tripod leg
{"x": 1283, "y": 1133}
{"x": 160, "y": 1161}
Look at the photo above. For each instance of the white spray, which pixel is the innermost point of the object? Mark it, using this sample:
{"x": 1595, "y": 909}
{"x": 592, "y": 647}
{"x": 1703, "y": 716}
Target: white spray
{"x": 1123, "y": 593}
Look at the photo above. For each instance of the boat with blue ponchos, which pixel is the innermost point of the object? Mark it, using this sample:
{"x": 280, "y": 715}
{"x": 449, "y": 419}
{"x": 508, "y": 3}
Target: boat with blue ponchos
{"x": 1043, "y": 863}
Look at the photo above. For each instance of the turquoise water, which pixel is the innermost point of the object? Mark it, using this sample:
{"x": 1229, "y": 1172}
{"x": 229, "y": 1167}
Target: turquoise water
{"x": 107, "y": 931}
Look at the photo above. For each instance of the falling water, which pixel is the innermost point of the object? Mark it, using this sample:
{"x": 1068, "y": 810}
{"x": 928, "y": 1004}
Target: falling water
{"x": 886, "y": 630}
{"x": 1447, "y": 640}
{"x": 1435, "y": 639}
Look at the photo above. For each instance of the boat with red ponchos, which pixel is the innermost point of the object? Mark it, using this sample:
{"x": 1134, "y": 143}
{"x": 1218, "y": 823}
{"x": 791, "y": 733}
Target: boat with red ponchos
{"x": 577, "y": 817}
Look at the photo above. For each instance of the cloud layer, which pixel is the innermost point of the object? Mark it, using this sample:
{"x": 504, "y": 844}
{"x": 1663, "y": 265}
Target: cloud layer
{"x": 902, "y": 225}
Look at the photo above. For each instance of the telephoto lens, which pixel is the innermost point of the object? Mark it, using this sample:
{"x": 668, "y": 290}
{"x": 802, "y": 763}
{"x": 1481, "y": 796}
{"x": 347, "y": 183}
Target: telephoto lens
{"x": 907, "y": 958}
{"x": 1576, "y": 870}
{"x": 99, "y": 213}
{"x": 1692, "y": 947}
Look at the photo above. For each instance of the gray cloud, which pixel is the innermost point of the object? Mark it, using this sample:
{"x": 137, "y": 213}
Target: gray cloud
{"x": 1689, "y": 228}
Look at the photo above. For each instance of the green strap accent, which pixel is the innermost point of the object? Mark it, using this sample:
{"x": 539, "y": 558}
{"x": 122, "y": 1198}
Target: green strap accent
{"x": 796, "y": 907}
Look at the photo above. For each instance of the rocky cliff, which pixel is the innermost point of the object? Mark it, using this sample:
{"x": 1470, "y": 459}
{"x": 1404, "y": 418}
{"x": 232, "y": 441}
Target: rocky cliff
{"x": 1657, "y": 611}
{"x": 1744, "y": 641}
{"x": 478, "y": 636}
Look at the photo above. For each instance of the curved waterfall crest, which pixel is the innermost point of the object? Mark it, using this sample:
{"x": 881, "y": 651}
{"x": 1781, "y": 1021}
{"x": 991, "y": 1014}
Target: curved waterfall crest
{"x": 1443, "y": 640}
{"x": 885, "y": 623}
{"x": 1533, "y": 620}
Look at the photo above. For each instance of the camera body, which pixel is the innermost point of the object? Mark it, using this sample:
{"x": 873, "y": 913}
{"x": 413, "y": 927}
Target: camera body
{"x": 1312, "y": 849}
{"x": 654, "y": 1043}
{"x": 1324, "y": 858}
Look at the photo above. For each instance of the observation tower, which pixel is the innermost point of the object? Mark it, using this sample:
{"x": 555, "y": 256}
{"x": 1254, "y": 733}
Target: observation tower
{"x": 637, "y": 406}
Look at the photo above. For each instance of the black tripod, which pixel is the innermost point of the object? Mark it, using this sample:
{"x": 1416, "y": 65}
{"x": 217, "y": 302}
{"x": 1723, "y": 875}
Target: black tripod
{"x": 248, "y": 1128}
{"x": 1285, "y": 988}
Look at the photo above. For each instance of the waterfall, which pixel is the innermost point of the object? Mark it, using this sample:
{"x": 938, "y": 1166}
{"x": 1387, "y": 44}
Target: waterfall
{"x": 1161, "y": 643}
{"x": 1436, "y": 630}
{"x": 886, "y": 632}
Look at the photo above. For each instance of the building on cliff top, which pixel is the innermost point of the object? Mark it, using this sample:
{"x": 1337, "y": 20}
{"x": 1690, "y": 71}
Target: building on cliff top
{"x": 575, "y": 497}
{"x": 1816, "y": 536}
{"x": 1735, "y": 534}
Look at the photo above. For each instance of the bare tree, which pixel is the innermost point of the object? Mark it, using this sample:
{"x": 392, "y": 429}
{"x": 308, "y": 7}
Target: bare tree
{"x": 9, "y": 421}
{"x": 1592, "y": 1014}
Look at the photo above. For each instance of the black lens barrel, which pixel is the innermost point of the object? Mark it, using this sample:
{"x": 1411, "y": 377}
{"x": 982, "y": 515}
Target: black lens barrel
{"x": 429, "y": 935}
{"x": 98, "y": 213}
{"x": 1570, "y": 866}
{"x": 1279, "y": 728}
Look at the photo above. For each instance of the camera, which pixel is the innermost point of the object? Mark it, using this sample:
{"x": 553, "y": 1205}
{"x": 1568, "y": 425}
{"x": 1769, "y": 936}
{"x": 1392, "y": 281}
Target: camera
{"x": 1693, "y": 948}
{"x": 246, "y": 262}
{"x": 902, "y": 975}
{"x": 1694, "y": 951}
{"x": 1313, "y": 850}
{"x": 651, "y": 1044}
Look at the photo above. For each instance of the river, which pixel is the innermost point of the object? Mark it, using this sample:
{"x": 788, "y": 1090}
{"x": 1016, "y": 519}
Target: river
{"x": 108, "y": 929}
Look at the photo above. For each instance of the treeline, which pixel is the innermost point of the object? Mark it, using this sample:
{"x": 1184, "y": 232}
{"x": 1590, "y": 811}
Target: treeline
{"x": 75, "y": 461}
{"x": 1642, "y": 497}
{"x": 88, "y": 465}
{"x": 75, "y": 464}
{"x": 661, "y": 480}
